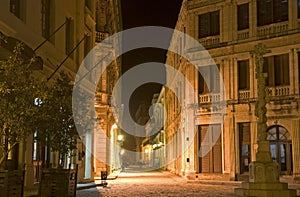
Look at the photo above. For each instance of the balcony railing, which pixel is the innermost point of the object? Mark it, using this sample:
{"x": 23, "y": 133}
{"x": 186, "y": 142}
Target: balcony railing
{"x": 100, "y": 36}
{"x": 278, "y": 91}
{"x": 210, "y": 41}
{"x": 244, "y": 94}
{"x": 209, "y": 98}
{"x": 275, "y": 29}
{"x": 242, "y": 35}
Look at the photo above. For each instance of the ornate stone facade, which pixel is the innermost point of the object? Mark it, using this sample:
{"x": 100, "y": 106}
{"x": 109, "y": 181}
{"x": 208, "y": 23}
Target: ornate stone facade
{"x": 229, "y": 30}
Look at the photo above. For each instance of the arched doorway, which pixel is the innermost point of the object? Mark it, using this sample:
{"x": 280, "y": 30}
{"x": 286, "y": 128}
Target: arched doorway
{"x": 281, "y": 148}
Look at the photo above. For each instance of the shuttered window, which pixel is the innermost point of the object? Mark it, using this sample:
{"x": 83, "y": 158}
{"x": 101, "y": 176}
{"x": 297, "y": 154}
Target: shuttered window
{"x": 277, "y": 68}
{"x": 271, "y": 11}
{"x": 212, "y": 161}
{"x": 209, "y": 24}
{"x": 209, "y": 79}
{"x": 244, "y": 75}
{"x": 243, "y": 16}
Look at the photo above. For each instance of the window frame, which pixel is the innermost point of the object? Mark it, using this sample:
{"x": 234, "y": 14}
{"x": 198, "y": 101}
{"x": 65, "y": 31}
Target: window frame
{"x": 241, "y": 15}
{"x": 211, "y": 28}
{"x": 275, "y": 62}
{"x": 240, "y": 64}
{"x": 269, "y": 12}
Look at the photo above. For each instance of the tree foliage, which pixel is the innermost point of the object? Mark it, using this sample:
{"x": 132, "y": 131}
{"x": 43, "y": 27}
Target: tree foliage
{"x": 18, "y": 89}
{"x": 55, "y": 125}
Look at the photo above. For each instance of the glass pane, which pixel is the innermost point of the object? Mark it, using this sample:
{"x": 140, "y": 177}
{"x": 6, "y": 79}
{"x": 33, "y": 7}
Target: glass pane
{"x": 283, "y": 157}
{"x": 273, "y": 150}
{"x": 272, "y": 134}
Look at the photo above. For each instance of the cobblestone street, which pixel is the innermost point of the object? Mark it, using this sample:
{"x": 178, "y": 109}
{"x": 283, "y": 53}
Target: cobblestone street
{"x": 156, "y": 183}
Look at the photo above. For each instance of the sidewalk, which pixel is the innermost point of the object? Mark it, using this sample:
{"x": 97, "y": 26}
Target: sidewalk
{"x": 80, "y": 186}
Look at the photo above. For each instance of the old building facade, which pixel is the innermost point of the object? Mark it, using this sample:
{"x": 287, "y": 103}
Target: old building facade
{"x": 229, "y": 30}
{"x": 63, "y": 33}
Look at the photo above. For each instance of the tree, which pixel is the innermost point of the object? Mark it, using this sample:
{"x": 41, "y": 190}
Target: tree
{"x": 55, "y": 125}
{"x": 18, "y": 89}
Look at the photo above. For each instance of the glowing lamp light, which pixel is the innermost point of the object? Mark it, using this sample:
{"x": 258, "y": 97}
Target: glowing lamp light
{"x": 120, "y": 137}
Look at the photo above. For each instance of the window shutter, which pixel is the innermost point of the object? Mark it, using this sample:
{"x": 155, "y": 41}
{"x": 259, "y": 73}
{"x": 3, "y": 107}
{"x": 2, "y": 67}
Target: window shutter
{"x": 205, "y": 160}
{"x": 203, "y": 25}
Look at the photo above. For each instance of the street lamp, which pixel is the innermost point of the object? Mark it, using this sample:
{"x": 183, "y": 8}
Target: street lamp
{"x": 120, "y": 138}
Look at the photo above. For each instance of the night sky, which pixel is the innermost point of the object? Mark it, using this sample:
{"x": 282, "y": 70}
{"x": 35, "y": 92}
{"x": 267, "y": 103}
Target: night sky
{"x": 147, "y": 13}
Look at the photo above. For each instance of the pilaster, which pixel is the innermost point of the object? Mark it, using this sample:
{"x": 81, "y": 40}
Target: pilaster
{"x": 296, "y": 148}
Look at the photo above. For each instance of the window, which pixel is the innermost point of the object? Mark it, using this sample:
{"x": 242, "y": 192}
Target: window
{"x": 209, "y": 24}
{"x": 243, "y": 16}
{"x": 244, "y": 143}
{"x": 209, "y": 79}
{"x": 298, "y": 5}
{"x": 17, "y": 7}
{"x": 244, "y": 75}
{"x": 69, "y": 39}
{"x": 280, "y": 64}
{"x": 281, "y": 148}
{"x": 47, "y": 19}
{"x": 271, "y": 11}
{"x": 212, "y": 161}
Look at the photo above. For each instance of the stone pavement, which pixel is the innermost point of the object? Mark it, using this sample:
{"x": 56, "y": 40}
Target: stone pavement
{"x": 157, "y": 183}
{"x": 160, "y": 183}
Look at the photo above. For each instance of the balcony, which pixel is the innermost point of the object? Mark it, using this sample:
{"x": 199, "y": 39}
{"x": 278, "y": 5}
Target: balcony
{"x": 243, "y": 34}
{"x": 244, "y": 94}
{"x": 278, "y": 91}
{"x": 210, "y": 42}
{"x": 274, "y": 29}
{"x": 209, "y": 98}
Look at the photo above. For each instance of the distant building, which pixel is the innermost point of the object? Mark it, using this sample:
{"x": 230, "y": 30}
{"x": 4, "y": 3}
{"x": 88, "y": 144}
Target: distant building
{"x": 229, "y": 30}
{"x": 108, "y": 22}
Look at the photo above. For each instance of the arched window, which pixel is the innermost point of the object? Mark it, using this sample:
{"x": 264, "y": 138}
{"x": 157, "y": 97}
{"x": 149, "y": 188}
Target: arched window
{"x": 278, "y": 133}
{"x": 281, "y": 148}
